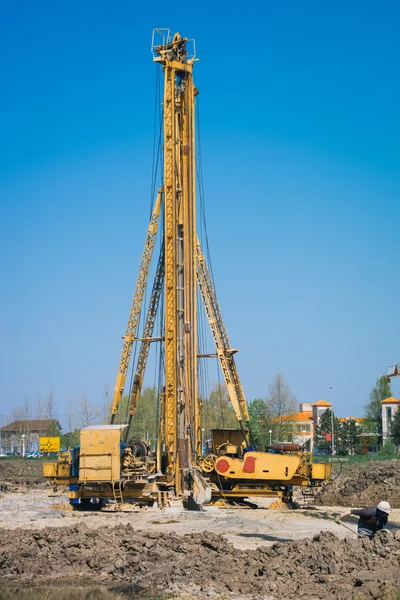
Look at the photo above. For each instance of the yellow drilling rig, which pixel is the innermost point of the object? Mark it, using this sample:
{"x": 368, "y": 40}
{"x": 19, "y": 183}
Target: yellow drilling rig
{"x": 107, "y": 467}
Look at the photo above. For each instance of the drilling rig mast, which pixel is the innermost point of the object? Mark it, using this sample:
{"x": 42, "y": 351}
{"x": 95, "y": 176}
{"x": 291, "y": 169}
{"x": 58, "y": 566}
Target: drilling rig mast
{"x": 107, "y": 466}
{"x": 180, "y": 426}
{"x": 180, "y": 414}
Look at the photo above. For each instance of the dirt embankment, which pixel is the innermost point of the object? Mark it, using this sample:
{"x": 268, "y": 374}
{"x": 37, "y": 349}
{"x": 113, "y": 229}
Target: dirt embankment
{"x": 19, "y": 473}
{"x": 203, "y": 564}
{"x": 363, "y": 485}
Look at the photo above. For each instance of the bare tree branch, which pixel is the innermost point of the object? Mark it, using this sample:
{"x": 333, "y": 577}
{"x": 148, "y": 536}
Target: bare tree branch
{"x": 281, "y": 402}
{"x": 50, "y": 408}
{"x": 87, "y": 414}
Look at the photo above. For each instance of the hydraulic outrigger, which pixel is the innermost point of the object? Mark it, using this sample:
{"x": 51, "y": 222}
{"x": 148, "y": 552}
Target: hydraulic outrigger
{"x": 107, "y": 466}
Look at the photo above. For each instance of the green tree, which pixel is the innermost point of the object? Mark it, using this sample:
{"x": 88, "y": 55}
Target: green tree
{"x": 70, "y": 439}
{"x": 260, "y": 422}
{"x": 347, "y": 439}
{"x": 395, "y": 428}
{"x": 122, "y": 414}
{"x": 324, "y": 429}
{"x": 388, "y": 450}
{"x": 145, "y": 421}
{"x": 373, "y": 409}
{"x": 355, "y": 441}
{"x": 52, "y": 430}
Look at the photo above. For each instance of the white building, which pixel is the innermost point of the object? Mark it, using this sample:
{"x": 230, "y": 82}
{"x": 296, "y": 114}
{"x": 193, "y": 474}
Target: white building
{"x": 390, "y": 406}
{"x": 318, "y": 409}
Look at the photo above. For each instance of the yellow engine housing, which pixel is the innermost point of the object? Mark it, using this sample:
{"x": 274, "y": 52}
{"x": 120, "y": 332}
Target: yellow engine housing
{"x": 288, "y": 469}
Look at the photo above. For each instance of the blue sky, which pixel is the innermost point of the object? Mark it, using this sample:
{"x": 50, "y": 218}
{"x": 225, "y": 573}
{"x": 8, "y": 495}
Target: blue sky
{"x": 300, "y": 129}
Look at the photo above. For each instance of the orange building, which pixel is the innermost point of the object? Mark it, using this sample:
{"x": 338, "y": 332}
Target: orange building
{"x": 299, "y": 426}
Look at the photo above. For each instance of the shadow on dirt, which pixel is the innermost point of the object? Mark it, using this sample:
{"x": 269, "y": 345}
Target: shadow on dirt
{"x": 266, "y": 537}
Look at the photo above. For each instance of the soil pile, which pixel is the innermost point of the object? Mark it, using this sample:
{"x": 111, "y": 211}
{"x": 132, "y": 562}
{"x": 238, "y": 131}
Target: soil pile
{"x": 363, "y": 486}
{"x": 17, "y": 474}
{"x": 204, "y": 564}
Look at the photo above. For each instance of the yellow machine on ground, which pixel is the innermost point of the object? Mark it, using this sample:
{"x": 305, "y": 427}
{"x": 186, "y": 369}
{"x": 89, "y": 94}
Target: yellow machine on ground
{"x": 236, "y": 472}
{"x": 107, "y": 466}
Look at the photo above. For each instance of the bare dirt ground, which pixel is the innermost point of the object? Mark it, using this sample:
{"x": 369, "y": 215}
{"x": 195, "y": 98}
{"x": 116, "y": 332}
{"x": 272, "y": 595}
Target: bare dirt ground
{"x": 364, "y": 485}
{"x": 244, "y": 528}
{"x": 18, "y": 474}
{"x": 216, "y": 553}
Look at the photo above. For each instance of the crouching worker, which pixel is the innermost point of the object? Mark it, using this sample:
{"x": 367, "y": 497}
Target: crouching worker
{"x": 371, "y": 519}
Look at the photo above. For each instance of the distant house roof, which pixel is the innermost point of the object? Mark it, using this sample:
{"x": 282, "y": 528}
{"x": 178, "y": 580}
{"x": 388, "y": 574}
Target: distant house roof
{"x": 105, "y": 427}
{"x": 322, "y": 403}
{"x": 305, "y": 415}
{"x": 31, "y": 424}
{"x": 356, "y": 419}
{"x": 390, "y": 400}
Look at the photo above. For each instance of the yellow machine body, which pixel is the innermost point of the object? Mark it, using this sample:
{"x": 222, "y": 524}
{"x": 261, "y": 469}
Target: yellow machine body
{"x": 105, "y": 471}
{"x": 259, "y": 466}
{"x": 60, "y": 472}
{"x": 236, "y": 472}
{"x": 288, "y": 469}
{"x": 100, "y": 453}
{"x": 60, "y": 469}
{"x": 321, "y": 471}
